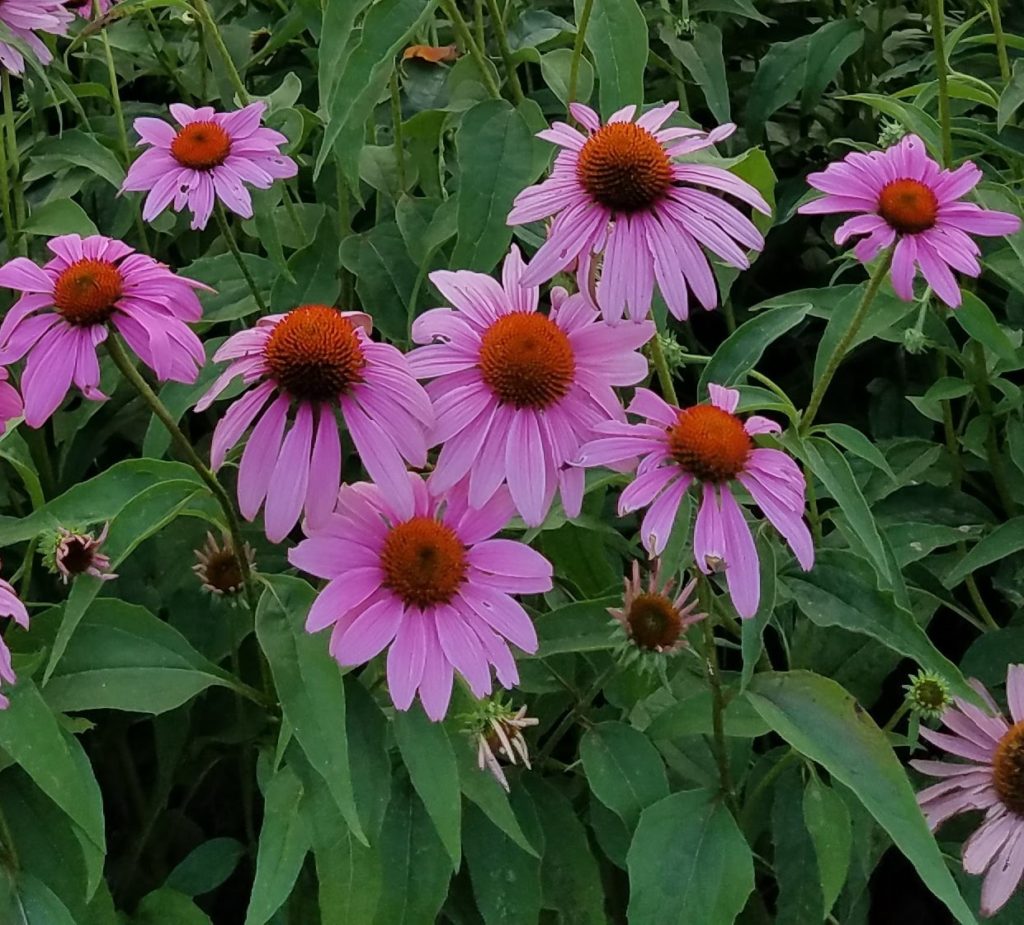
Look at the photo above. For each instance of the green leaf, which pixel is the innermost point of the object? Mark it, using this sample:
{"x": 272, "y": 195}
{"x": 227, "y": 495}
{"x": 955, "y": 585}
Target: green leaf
{"x": 976, "y": 318}
{"x": 570, "y": 878}
{"x": 314, "y": 271}
{"x": 284, "y": 841}
{"x": 693, "y": 716}
{"x": 752, "y": 630}
{"x": 142, "y": 517}
{"x": 555, "y": 67}
{"x": 913, "y": 117}
{"x": 496, "y": 149}
{"x": 53, "y": 758}
{"x": 418, "y": 867}
{"x": 583, "y": 626}
{"x": 169, "y": 907}
{"x": 47, "y": 842}
{"x": 37, "y": 904}
{"x": 741, "y": 351}
{"x": 831, "y": 467}
{"x": 348, "y": 872}
{"x": 851, "y": 439}
{"x": 617, "y": 39}
{"x": 623, "y": 768}
{"x": 232, "y": 297}
{"x": 822, "y": 721}
{"x": 1004, "y": 540}
{"x": 122, "y": 657}
{"x": 1012, "y": 97}
{"x": 385, "y": 277}
{"x": 337, "y": 32}
{"x": 828, "y": 822}
{"x": 828, "y": 49}
{"x": 703, "y": 59}
{"x": 429, "y": 758}
{"x": 309, "y": 684}
{"x": 800, "y": 896}
{"x": 74, "y": 148}
{"x": 840, "y": 591}
{"x": 992, "y": 653}
{"x": 688, "y": 863}
{"x": 362, "y": 74}
{"x": 206, "y": 867}
{"x": 744, "y": 9}
{"x": 97, "y": 500}
{"x": 479, "y": 787}
{"x": 506, "y": 880}
{"x": 61, "y": 216}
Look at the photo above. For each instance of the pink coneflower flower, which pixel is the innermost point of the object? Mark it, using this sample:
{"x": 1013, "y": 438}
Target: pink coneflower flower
{"x": 652, "y": 620}
{"x": 321, "y": 361}
{"x": 78, "y": 553}
{"x": 86, "y": 8}
{"x": 711, "y": 445}
{"x": 431, "y": 583}
{"x": 906, "y": 197}
{"x": 616, "y": 190}
{"x": 24, "y": 18}
{"x": 63, "y": 316}
{"x": 516, "y": 392}
{"x": 212, "y": 156}
{"x": 991, "y": 780}
{"x": 10, "y": 606}
{"x": 10, "y": 401}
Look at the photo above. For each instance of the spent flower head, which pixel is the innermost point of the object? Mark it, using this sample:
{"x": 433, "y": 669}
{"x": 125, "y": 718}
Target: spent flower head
{"x": 497, "y": 730}
{"x": 75, "y": 551}
{"x": 217, "y": 566}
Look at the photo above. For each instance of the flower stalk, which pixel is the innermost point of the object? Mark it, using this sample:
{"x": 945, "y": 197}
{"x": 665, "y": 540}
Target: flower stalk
{"x": 128, "y": 370}
{"x": 236, "y": 252}
{"x": 840, "y": 349}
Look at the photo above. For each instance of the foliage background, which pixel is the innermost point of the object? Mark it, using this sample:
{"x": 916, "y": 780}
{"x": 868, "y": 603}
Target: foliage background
{"x": 146, "y": 765}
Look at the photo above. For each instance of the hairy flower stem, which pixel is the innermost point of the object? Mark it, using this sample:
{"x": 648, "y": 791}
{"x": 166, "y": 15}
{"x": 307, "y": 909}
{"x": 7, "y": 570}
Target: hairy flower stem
{"x": 210, "y": 28}
{"x": 498, "y": 25}
{"x": 668, "y": 389}
{"x": 396, "y": 124}
{"x": 128, "y": 370}
{"x": 821, "y": 386}
{"x": 476, "y": 51}
{"x": 577, "y": 51}
{"x": 12, "y": 191}
{"x": 942, "y": 73}
{"x": 717, "y": 698}
{"x": 229, "y": 239}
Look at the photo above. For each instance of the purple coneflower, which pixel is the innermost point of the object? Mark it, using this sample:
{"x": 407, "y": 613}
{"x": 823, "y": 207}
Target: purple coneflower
{"x": 431, "y": 585}
{"x": 905, "y": 198}
{"x": 617, "y": 190}
{"x": 708, "y": 444}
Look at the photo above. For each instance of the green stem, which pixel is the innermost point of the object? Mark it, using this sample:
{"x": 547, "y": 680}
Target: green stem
{"x": 396, "y": 125}
{"x": 821, "y": 386}
{"x": 717, "y": 698}
{"x": 475, "y": 51}
{"x": 498, "y": 25}
{"x": 942, "y": 72}
{"x": 478, "y": 22}
{"x": 210, "y": 28}
{"x": 997, "y": 29}
{"x": 563, "y": 727}
{"x": 577, "y": 49}
{"x": 979, "y": 374}
{"x": 13, "y": 164}
{"x": 229, "y": 239}
{"x": 122, "y": 130}
{"x": 668, "y": 389}
{"x": 975, "y": 595}
{"x": 128, "y": 370}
